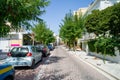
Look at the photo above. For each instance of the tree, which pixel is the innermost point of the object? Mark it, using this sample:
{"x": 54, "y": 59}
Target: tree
{"x": 114, "y": 20}
{"x": 19, "y": 12}
{"x": 91, "y": 22}
{"x": 71, "y": 29}
{"x": 106, "y": 25}
{"x": 43, "y": 34}
{"x": 108, "y": 19}
{"x": 49, "y": 36}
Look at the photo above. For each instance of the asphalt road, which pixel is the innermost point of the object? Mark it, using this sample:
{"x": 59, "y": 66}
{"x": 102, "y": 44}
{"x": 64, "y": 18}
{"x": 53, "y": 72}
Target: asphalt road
{"x": 63, "y": 66}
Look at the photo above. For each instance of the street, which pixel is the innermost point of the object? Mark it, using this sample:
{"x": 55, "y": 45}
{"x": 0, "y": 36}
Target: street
{"x": 63, "y": 66}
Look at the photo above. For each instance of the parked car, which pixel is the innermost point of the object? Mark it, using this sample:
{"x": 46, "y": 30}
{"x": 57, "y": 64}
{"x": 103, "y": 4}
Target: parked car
{"x": 24, "y": 56}
{"x": 44, "y": 49}
{"x": 7, "y": 72}
{"x": 51, "y": 46}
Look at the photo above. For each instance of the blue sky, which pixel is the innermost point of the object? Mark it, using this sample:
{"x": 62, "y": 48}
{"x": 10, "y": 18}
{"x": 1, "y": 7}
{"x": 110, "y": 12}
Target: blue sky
{"x": 57, "y": 9}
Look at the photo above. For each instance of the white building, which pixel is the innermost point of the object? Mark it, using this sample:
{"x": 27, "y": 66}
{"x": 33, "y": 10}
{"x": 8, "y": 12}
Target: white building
{"x": 13, "y": 39}
{"x": 80, "y": 11}
{"x": 100, "y": 5}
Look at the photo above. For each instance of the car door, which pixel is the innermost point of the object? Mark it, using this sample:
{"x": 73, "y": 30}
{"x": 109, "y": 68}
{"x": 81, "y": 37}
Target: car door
{"x": 34, "y": 54}
{"x": 48, "y": 50}
{"x": 38, "y": 53}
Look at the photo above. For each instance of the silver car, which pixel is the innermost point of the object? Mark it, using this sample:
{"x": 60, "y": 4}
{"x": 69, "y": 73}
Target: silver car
{"x": 24, "y": 56}
{"x": 44, "y": 49}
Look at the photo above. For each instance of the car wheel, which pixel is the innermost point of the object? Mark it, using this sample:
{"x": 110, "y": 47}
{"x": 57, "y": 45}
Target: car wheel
{"x": 45, "y": 55}
{"x": 49, "y": 52}
{"x": 33, "y": 64}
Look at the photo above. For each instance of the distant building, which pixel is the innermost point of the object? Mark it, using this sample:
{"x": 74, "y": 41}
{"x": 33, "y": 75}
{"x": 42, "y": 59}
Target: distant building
{"x": 58, "y": 39}
{"x": 80, "y": 11}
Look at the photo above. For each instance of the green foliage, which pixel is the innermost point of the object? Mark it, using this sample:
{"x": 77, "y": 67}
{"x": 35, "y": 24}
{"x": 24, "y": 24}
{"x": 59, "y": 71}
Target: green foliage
{"x": 91, "y": 22}
{"x": 114, "y": 21}
{"x": 102, "y": 45}
{"x": 43, "y": 34}
{"x": 91, "y": 45}
{"x": 105, "y": 46}
{"x": 20, "y": 12}
{"x": 105, "y": 23}
{"x": 71, "y": 29}
{"x": 4, "y": 30}
{"x": 117, "y": 41}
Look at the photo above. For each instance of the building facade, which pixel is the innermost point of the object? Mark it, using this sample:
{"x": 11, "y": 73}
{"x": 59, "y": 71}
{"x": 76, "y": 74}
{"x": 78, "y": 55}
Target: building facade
{"x": 13, "y": 39}
{"x": 100, "y": 5}
{"x": 80, "y": 11}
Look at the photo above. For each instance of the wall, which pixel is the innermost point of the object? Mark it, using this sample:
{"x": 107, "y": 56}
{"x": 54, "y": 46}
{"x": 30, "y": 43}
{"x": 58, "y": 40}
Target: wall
{"x": 107, "y": 57}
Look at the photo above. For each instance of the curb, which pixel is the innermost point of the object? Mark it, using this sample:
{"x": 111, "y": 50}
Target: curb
{"x": 101, "y": 69}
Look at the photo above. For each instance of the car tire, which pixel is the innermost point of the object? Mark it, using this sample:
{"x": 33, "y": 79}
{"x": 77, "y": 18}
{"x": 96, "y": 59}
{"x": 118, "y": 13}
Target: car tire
{"x": 33, "y": 64}
{"x": 45, "y": 55}
{"x": 49, "y": 53}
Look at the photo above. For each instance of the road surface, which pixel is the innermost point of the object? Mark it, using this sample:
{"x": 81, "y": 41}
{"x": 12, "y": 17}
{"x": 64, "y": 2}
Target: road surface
{"x": 63, "y": 66}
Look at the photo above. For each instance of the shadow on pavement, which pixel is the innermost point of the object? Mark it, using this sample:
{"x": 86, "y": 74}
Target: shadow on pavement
{"x": 54, "y": 75}
{"x": 53, "y": 59}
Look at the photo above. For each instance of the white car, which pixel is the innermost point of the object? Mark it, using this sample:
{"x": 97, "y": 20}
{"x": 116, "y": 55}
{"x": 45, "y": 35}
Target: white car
{"x": 24, "y": 56}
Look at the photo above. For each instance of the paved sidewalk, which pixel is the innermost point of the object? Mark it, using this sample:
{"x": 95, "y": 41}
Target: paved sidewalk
{"x": 113, "y": 69}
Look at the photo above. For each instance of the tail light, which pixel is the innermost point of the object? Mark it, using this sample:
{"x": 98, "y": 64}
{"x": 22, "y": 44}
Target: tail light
{"x": 29, "y": 54}
{"x": 9, "y": 54}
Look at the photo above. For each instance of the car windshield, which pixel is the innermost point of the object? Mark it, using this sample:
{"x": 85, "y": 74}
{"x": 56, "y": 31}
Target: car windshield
{"x": 19, "y": 52}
